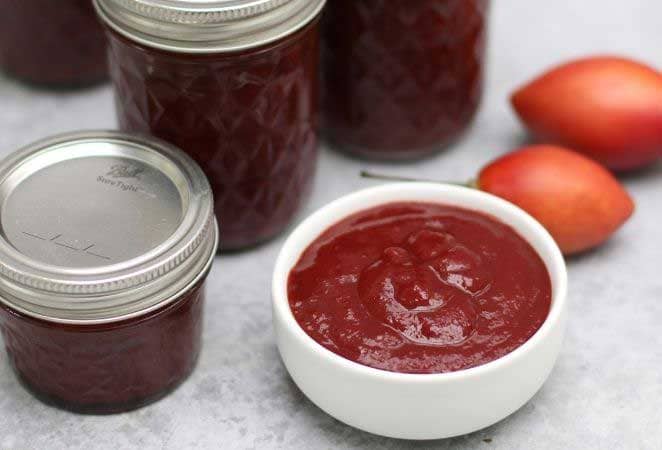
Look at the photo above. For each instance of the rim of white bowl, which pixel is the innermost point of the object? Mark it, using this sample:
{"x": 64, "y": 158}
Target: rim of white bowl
{"x": 339, "y": 209}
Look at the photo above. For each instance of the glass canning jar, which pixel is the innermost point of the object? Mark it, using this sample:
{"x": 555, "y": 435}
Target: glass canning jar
{"x": 54, "y": 43}
{"x": 105, "y": 243}
{"x": 401, "y": 79}
{"x": 235, "y": 85}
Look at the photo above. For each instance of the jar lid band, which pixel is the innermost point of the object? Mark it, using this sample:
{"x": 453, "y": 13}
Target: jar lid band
{"x": 99, "y": 225}
{"x": 208, "y": 26}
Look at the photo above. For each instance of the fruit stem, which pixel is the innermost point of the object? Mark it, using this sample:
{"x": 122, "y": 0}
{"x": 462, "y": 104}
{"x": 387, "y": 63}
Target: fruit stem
{"x": 379, "y": 176}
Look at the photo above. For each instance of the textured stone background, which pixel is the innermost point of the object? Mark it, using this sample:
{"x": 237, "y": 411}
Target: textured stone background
{"x": 606, "y": 390}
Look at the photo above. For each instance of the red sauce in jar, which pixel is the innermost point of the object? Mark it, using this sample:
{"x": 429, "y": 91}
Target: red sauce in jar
{"x": 106, "y": 240}
{"x": 55, "y": 43}
{"x": 249, "y": 118}
{"x": 106, "y": 368}
{"x": 401, "y": 78}
{"x": 420, "y": 288}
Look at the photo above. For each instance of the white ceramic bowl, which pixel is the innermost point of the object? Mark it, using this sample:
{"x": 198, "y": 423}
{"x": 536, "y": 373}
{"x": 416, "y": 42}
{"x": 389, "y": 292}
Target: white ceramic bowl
{"x": 419, "y": 406}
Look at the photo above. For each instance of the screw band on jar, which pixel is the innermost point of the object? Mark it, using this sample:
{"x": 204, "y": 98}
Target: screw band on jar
{"x": 75, "y": 262}
{"x": 178, "y": 26}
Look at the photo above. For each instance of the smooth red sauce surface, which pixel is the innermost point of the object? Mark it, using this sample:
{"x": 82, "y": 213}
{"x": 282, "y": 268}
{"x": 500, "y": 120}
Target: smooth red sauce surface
{"x": 420, "y": 288}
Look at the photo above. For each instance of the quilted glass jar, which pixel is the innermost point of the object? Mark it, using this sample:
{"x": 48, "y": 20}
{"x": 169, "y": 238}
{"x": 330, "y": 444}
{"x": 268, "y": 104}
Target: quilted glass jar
{"x": 106, "y": 240}
{"x": 235, "y": 85}
{"x": 401, "y": 79}
{"x": 54, "y": 43}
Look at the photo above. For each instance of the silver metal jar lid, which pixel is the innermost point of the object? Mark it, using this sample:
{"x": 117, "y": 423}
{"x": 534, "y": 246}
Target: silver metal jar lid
{"x": 206, "y": 26}
{"x": 101, "y": 226}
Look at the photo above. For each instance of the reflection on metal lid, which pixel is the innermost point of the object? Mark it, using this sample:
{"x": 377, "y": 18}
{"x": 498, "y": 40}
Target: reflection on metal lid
{"x": 98, "y": 225}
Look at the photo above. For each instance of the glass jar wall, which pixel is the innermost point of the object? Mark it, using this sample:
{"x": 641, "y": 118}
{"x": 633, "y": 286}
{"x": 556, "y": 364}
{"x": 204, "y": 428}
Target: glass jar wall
{"x": 401, "y": 79}
{"x": 106, "y": 368}
{"x": 52, "y": 43}
{"x": 244, "y": 107}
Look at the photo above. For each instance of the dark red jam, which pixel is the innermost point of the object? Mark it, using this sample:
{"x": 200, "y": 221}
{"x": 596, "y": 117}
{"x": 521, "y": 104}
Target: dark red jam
{"x": 401, "y": 78}
{"x": 249, "y": 118}
{"x": 58, "y": 43}
{"x": 106, "y": 368}
{"x": 420, "y": 288}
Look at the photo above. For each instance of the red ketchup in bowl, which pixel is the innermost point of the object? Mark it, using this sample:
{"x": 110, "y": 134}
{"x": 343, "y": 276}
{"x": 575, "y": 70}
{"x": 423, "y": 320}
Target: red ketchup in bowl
{"x": 420, "y": 288}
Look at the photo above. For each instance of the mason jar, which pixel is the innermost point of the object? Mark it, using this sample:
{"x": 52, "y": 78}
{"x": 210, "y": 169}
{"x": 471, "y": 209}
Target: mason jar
{"x": 52, "y": 43}
{"x": 106, "y": 240}
{"x": 401, "y": 79}
{"x": 235, "y": 85}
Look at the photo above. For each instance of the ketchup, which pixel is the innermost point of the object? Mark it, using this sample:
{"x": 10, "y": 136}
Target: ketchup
{"x": 420, "y": 288}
